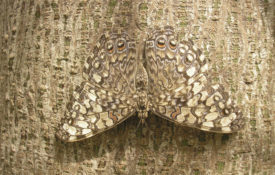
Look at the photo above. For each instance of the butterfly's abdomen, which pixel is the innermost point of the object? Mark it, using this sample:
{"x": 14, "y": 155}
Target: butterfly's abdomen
{"x": 142, "y": 91}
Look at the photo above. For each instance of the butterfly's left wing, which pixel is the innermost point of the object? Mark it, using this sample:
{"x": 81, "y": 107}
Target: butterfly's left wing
{"x": 179, "y": 89}
{"x": 106, "y": 96}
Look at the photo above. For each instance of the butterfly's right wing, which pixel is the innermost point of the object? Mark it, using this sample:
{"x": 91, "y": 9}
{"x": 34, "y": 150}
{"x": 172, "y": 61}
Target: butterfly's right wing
{"x": 106, "y": 96}
{"x": 179, "y": 89}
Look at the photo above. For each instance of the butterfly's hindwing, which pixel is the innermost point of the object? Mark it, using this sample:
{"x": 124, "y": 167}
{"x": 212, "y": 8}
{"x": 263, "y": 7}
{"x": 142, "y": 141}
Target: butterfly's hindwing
{"x": 179, "y": 89}
{"x": 209, "y": 110}
{"x": 91, "y": 113}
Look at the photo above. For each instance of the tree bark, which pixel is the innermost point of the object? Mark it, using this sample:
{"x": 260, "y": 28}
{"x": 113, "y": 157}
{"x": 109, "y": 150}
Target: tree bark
{"x": 44, "y": 44}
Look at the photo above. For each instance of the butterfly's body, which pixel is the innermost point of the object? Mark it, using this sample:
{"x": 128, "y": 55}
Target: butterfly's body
{"x": 142, "y": 90}
{"x": 164, "y": 75}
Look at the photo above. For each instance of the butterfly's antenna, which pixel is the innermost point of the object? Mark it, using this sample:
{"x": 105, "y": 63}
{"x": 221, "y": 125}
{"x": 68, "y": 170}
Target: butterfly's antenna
{"x": 140, "y": 121}
{"x": 146, "y": 125}
{"x": 143, "y": 124}
{"x": 138, "y": 125}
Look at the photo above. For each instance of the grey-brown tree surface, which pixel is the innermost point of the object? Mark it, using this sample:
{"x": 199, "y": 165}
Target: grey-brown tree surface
{"x": 44, "y": 48}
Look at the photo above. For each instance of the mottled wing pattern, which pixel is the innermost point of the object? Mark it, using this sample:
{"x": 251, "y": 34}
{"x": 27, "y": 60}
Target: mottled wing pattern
{"x": 105, "y": 98}
{"x": 112, "y": 65}
{"x": 179, "y": 89}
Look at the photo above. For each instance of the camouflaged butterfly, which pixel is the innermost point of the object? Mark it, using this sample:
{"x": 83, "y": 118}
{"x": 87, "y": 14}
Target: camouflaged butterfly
{"x": 169, "y": 80}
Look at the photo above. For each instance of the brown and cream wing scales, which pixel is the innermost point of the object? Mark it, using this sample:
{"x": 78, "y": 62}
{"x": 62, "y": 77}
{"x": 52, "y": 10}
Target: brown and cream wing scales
{"x": 179, "y": 89}
{"x": 112, "y": 64}
{"x": 92, "y": 111}
{"x": 105, "y": 97}
{"x": 209, "y": 110}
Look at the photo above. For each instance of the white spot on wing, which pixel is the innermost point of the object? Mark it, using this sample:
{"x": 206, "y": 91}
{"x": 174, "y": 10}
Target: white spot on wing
{"x": 208, "y": 124}
{"x": 193, "y": 101}
{"x": 197, "y": 87}
{"x": 204, "y": 68}
{"x": 82, "y": 124}
{"x": 232, "y": 116}
{"x": 199, "y": 111}
{"x": 71, "y": 130}
{"x": 109, "y": 122}
{"x": 180, "y": 68}
{"x": 182, "y": 50}
{"x": 72, "y": 138}
{"x": 204, "y": 95}
{"x": 211, "y": 116}
{"x": 225, "y": 121}
{"x": 191, "y": 119}
{"x": 180, "y": 118}
{"x": 226, "y": 129}
{"x": 92, "y": 118}
{"x": 100, "y": 124}
{"x": 191, "y": 71}
{"x": 92, "y": 96}
{"x": 86, "y": 65}
{"x": 87, "y": 103}
{"x": 82, "y": 110}
{"x": 179, "y": 88}
{"x": 221, "y": 105}
{"x": 97, "y": 78}
{"x": 202, "y": 58}
{"x": 216, "y": 86}
{"x": 86, "y": 131}
{"x": 210, "y": 101}
{"x": 97, "y": 108}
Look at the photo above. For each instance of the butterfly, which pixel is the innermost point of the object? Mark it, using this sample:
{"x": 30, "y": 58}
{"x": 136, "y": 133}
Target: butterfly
{"x": 164, "y": 75}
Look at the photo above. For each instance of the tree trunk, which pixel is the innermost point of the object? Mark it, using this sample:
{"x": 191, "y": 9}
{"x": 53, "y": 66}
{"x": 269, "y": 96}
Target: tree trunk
{"x": 44, "y": 44}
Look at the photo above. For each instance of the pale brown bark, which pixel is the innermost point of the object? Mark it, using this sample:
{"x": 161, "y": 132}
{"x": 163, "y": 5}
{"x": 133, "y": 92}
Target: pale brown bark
{"x": 45, "y": 43}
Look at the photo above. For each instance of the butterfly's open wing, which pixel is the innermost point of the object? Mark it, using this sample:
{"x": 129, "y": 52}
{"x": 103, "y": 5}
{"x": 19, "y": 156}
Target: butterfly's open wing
{"x": 179, "y": 89}
{"x": 106, "y": 96}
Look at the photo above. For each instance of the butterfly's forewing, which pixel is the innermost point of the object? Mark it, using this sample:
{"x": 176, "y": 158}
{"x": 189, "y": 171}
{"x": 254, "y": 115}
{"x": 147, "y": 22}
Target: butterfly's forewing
{"x": 179, "y": 89}
{"x": 105, "y": 97}
{"x": 112, "y": 64}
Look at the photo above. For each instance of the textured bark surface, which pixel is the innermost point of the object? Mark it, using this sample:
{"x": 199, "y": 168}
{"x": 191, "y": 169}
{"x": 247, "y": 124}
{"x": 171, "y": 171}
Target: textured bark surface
{"x": 45, "y": 43}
